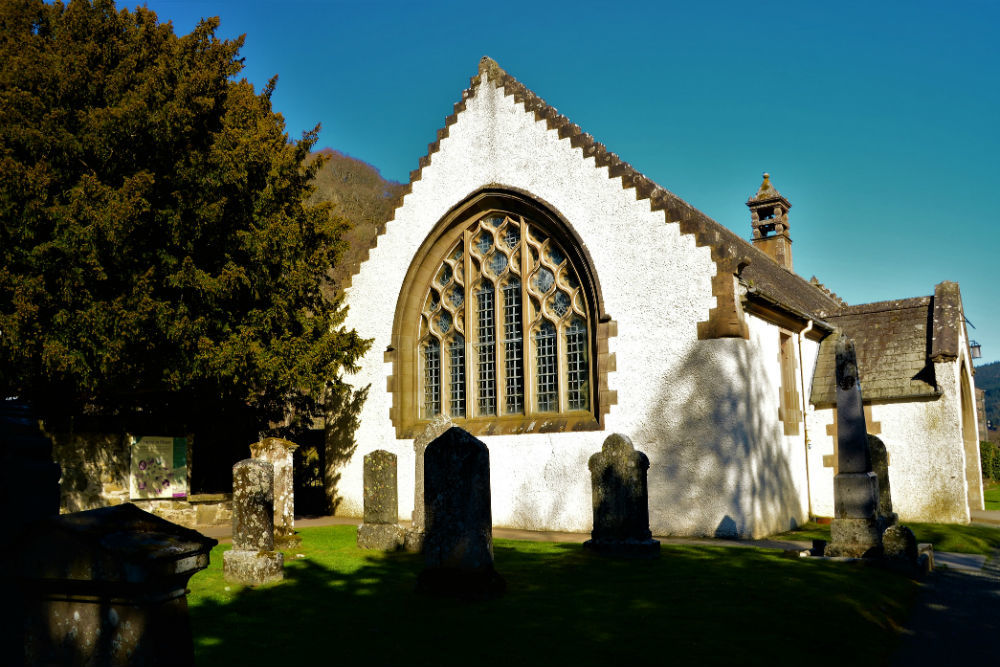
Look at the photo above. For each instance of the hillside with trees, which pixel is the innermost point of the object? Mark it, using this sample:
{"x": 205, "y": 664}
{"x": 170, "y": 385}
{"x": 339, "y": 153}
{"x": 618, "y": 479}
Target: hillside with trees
{"x": 988, "y": 379}
{"x": 359, "y": 195}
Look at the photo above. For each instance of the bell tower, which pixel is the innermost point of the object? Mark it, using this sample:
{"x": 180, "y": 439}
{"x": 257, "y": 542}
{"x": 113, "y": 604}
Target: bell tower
{"x": 769, "y": 219}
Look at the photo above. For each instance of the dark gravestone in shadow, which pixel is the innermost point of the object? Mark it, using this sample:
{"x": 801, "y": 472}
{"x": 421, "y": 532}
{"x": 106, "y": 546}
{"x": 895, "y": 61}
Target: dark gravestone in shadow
{"x": 108, "y": 587}
{"x": 880, "y": 466}
{"x": 621, "y": 501}
{"x": 253, "y": 559}
{"x": 29, "y": 492}
{"x": 381, "y": 529}
{"x": 458, "y": 542}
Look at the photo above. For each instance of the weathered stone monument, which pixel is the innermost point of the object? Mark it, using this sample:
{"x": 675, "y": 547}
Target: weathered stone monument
{"x": 414, "y": 538}
{"x": 621, "y": 501}
{"x": 856, "y": 530}
{"x": 279, "y": 453}
{"x": 253, "y": 559}
{"x": 381, "y": 529}
{"x": 108, "y": 587}
{"x": 880, "y": 466}
{"x": 458, "y": 542}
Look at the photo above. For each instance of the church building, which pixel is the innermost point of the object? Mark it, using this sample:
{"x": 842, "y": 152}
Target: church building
{"x": 536, "y": 290}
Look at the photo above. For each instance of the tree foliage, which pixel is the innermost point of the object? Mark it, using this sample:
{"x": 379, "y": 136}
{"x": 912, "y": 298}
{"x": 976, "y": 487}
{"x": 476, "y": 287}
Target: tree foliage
{"x": 157, "y": 253}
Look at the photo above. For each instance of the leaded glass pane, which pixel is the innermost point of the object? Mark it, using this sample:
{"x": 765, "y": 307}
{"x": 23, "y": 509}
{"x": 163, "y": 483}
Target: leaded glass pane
{"x": 456, "y": 296}
{"x": 513, "y": 348}
{"x": 443, "y": 323}
{"x": 559, "y": 303}
{"x": 444, "y": 275}
{"x": 456, "y": 362}
{"x": 433, "y": 301}
{"x": 548, "y": 374}
{"x": 497, "y": 263}
{"x": 432, "y": 378}
{"x": 457, "y": 255}
{"x": 511, "y": 236}
{"x": 543, "y": 280}
{"x": 576, "y": 364}
{"x": 484, "y": 242}
{"x": 486, "y": 351}
{"x": 556, "y": 255}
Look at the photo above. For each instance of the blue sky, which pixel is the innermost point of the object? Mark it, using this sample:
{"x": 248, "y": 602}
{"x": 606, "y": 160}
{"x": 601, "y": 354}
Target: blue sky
{"x": 880, "y": 122}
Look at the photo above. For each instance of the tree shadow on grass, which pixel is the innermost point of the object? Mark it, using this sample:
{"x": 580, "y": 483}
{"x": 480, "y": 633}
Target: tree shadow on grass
{"x": 564, "y": 605}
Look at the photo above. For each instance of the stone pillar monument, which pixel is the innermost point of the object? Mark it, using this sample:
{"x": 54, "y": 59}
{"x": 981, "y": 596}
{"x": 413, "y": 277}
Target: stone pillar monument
{"x": 381, "y": 528}
{"x": 279, "y": 453}
{"x": 253, "y": 559}
{"x": 856, "y": 530}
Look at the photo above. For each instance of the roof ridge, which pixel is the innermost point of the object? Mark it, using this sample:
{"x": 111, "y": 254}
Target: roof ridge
{"x": 881, "y": 306}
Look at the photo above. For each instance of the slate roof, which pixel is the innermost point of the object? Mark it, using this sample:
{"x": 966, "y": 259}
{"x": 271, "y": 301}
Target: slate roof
{"x": 892, "y": 339}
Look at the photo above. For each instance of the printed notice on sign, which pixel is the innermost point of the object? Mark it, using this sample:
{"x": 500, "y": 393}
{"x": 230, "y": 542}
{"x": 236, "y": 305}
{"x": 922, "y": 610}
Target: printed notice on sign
{"x": 159, "y": 468}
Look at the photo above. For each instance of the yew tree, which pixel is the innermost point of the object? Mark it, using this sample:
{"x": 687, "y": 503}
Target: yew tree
{"x": 157, "y": 253}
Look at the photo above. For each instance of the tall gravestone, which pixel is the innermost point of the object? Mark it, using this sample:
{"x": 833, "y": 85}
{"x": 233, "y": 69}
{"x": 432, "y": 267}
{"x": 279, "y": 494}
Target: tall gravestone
{"x": 280, "y": 453}
{"x": 621, "y": 501}
{"x": 856, "y": 529}
{"x": 253, "y": 559}
{"x": 880, "y": 466}
{"x": 458, "y": 542}
{"x": 381, "y": 528}
{"x": 414, "y": 538}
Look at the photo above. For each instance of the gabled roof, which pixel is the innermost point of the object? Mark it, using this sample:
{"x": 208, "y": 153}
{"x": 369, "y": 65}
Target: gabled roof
{"x": 730, "y": 252}
{"x": 897, "y": 343}
{"x": 892, "y": 341}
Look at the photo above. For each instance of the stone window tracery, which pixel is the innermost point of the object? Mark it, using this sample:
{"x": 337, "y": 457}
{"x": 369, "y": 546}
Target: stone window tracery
{"x": 528, "y": 319}
{"x": 500, "y": 324}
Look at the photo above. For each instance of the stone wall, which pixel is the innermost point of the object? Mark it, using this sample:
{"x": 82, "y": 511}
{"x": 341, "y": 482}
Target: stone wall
{"x": 95, "y": 469}
{"x": 95, "y": 473}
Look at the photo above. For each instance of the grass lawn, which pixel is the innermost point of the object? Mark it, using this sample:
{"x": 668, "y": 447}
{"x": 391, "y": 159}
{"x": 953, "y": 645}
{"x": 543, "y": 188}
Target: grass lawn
{"x": 944, "y": 536}
{"x": 694, "y": 605}
{"x": 991, "y": 494}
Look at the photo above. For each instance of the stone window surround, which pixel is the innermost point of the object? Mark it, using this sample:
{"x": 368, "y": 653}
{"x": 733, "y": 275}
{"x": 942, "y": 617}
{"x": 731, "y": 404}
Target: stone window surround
{"x": 402, "y": 353}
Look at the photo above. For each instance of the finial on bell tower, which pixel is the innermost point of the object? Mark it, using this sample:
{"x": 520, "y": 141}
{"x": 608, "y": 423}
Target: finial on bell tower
{"x": 769, "y": 220}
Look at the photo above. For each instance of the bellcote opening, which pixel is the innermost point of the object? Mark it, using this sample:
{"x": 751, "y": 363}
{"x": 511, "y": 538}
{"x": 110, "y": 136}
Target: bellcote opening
{"x": 769, "y": 221}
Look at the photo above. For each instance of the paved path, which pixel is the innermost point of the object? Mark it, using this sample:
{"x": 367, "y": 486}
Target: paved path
{"x": 989, "y": 517}
{"x": 957, "y": 619}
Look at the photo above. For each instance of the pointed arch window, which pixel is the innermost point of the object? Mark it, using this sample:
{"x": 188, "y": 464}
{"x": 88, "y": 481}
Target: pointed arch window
{"x": 508, "y": 287}
{"x": 500, "y": 324}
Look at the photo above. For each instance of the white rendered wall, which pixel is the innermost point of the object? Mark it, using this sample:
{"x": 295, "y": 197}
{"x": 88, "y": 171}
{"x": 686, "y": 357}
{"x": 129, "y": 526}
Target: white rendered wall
{"x": 705, "y": 412}
{"x": 926, "y": 454}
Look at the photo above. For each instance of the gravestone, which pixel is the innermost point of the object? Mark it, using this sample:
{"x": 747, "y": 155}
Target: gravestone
{"x": 880, "y": 466}
{"x": 279, "y": 453}
{"x": 856, "y": 530}
{"x": 621, "y": 501}
{"x": 29, "y": 492}
{"x": 253, "y": 559}
{"x": 381, "y": 528}
{"x": 414, "y": 538}
{"x": 458, "y": 541}
{"x": 108, "y": 587}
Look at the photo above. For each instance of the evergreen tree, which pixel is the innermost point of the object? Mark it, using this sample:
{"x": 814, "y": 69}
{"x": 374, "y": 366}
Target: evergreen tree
{"x": 157, "y": 253}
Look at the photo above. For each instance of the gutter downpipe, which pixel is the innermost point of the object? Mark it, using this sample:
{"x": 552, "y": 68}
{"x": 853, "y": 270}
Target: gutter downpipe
{"x": 805, "y": 429}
